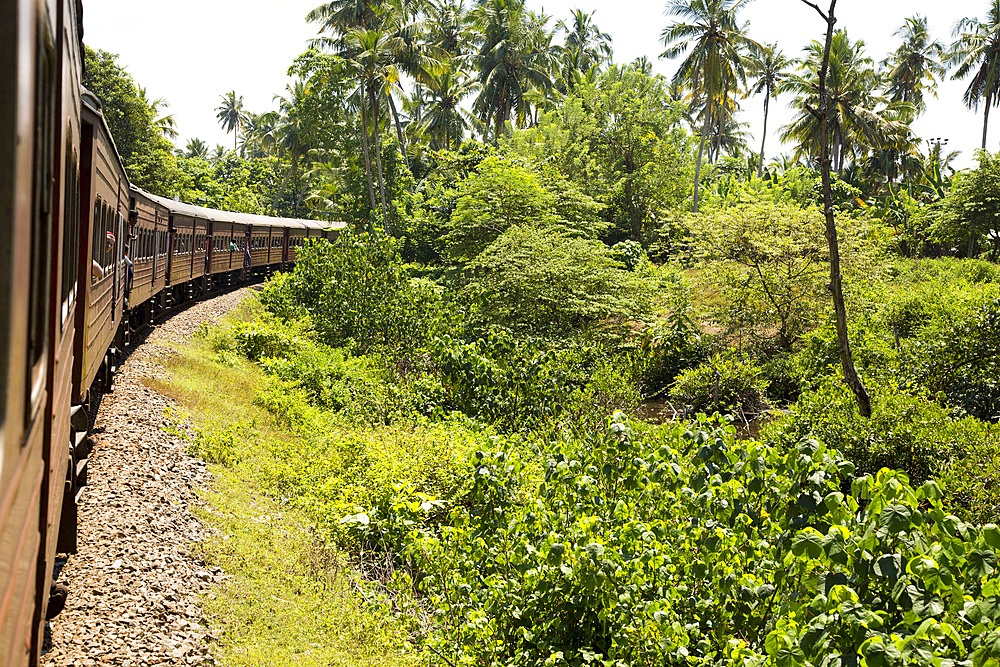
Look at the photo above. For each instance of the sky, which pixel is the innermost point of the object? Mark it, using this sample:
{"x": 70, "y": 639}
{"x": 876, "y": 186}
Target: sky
{"x": 191, "y": 52}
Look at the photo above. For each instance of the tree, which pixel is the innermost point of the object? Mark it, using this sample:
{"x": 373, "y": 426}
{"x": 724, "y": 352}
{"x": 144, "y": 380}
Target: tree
{"x": 858, "y": 117}
{"x": 146, "y": 152}
{"x": 769, "y": 66}
{"x": 510, "y": 60}
{"x": 541, "y": 283}
{"x": 915, "y": 66}
{"x": 441, "y": 116}
{"x": 196, "y": 148}
{"x": 716, "y": 45}
{"x": 968, "y": 218}
{"x": 976, "y": 51}
{"x": 230, "y": 114}
{"x": 165, "y": 123}
{"x": 822, "y": 113}
{"x": 585, "y": 48}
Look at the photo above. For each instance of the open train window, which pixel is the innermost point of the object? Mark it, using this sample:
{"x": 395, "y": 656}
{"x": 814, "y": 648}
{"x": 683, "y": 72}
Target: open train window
{"x": 71, "y": 229}
{"x": 44, "y": 178}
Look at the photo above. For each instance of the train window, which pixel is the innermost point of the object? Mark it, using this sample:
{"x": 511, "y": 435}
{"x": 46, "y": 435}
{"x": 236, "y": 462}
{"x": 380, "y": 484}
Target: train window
{"x": 95, "y": 226}
{"x": 46, "y": 128}
{"x": 71, "y": 228}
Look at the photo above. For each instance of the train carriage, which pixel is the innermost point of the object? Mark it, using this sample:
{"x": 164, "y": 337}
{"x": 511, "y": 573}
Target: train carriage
{"x": 68, "y": 219}
{"x": 40, "y": 64}
{"x": 102, "y": 273}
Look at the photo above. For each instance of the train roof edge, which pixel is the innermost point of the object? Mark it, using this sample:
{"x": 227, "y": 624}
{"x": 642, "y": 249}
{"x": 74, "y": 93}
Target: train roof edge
{"x": 253, "y": 219}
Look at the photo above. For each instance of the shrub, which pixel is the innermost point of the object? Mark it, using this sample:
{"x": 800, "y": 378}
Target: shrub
{"x": 630, "y": 254}
{"x": 672, "y": 546}
{"x": 907, "y": 432}
{"x": 358, "y": 294}
{"x": 727, "y": 382}
{"x": 667, "y": 349}
{"x": 960, "y": 357}
{"x": 258, "y": 340}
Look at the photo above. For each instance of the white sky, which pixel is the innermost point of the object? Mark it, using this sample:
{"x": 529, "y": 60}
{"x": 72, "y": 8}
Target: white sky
{"x": 191, "y": 52}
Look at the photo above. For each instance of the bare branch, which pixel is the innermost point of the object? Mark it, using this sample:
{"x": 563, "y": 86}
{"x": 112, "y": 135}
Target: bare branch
{"x": 816, "y": 7}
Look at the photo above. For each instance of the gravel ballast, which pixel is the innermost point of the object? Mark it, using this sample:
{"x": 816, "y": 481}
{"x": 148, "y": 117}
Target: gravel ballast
{"x": 136, "y": 581}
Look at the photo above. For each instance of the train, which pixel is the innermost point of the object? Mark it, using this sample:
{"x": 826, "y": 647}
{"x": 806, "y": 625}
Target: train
{"x": 86, "y": 259}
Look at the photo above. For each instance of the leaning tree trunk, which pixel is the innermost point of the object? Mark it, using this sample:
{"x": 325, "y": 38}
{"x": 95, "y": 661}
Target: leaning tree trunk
{"x": 986, "y": 117}
{"x": 399, "y": 133}
{"x": 701, "y": 148}
{"x": 760, "y": 165}
{"x": 836, "y": 285}
{"x": 378, "y": 160}
{"x": 364, "y": 144}
{"x": 284, "y": 184}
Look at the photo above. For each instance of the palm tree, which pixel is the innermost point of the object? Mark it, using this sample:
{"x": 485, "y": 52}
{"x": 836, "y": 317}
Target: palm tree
{"x": 976, "y": 51}
{"x": 441, "y": 116}
{"x": 259, "y": 133}
{"x": 858, "y": 118}
{"x": 769, "y": 67}
{"x": 166, "y": 124}
{"x": 915, "y": 66}
{"x": 196, "y": 148}
{"x": 511, "y": 59}
{"x": 230, "y": 114}
{"x": 292, "y": 134}
{"x": 585, "y": 47}
{"x": 716, "y": 45}
{"x": 218, "y": 153}
{"x": 447, "y": 27}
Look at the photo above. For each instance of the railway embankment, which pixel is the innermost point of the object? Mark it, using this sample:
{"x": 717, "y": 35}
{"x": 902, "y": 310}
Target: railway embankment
{"x": 137, "y": 581}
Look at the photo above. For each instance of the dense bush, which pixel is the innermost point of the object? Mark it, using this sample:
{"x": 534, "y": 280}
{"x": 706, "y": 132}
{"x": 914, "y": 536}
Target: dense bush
{"x": 675, "y": 546}
{"x": 667, "y": 349}
{"x": 727, "y": 383}
{"x": 960, "y": 357}
{"x": 907, "y": 432}
{"x": 540, "y": 283}
{"x": 358, "y": 294}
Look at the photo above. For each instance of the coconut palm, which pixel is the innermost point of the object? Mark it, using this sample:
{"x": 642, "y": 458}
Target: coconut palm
{"x": 166, "y": 124}
{"x": 915, "y": 66}
{"x": 769, "y": 68}
{"x": 230, "y": 114}
{"x": 259, "y": 133}
{"x": 513, "y": 57}
{"x": 976, "y": 51}
{"x": 447, "y": 27}
{"x": 585, "y": 47}
{"x": 716, "y": 45}
{"x": 440, "y": 116}
{"x": 218, "y": 153}
{"x": 858, "y": 118}
{"x": 292, "y": 134}
{"x": 196, "y": 148}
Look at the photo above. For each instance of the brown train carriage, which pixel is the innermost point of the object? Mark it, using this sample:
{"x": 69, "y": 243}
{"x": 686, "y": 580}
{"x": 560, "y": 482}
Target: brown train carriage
{"x": 104, "y": 228}
{"x": 148, "y": 251}
{"x": 40, "y": 62}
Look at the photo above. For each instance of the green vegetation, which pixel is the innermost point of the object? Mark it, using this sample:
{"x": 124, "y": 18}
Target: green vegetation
{"x": 443, "y": 402}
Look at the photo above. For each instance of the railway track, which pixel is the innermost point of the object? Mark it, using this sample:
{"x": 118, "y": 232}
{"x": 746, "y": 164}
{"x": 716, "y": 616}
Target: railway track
{"x": 136, "y": 580}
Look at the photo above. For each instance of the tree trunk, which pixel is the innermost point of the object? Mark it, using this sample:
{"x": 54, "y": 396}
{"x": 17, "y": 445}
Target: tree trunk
{"x": 836, "y": 287}
{"x": 378, "y": 159}
{"x": 399, "y": 133}
{"x": 284, "y": 184}
{"x": 986, "y": 116}
{"x": 364, "y": 143}
{"x": 701, "y": 147}
{"x": 760, "y": 165}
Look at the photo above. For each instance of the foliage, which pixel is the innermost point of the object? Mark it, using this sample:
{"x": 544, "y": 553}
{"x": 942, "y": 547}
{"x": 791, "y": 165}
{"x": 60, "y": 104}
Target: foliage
{"x": 621, "y": 140}
{"x": 959, "y": 356}
{"x": 505, "y": 192}
{"x": 500, "y": 380}
{"x": 907, "y": 432}
{"x": 770, "y": 258}
{"x": 725, "y": 383}
{"x": 358, "y": 294}
{"x": 542, "y": 283}
{"x": 629, "y": 254}
{"x": 670, "y": 545}
{"x": 147, "y": 155}
{"x": 966, "y": 221}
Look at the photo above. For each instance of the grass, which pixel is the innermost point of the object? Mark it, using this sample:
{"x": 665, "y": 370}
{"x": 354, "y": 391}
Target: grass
{"x": 290, "y": 598}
